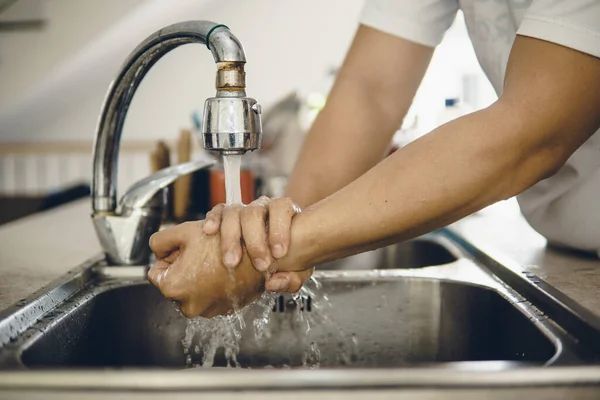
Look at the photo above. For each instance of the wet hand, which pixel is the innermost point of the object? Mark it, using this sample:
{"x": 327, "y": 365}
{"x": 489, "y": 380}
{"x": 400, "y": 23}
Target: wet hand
{"x": 264, "y": 227}
{"x": 189, "y": 271}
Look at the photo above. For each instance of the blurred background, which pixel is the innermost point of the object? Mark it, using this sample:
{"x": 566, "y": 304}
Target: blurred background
{"x": 58, "y": 57}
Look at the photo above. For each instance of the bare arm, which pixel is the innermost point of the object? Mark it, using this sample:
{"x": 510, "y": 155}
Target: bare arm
{"x": 372, "y": 93}
{"x": 548, "y": 109}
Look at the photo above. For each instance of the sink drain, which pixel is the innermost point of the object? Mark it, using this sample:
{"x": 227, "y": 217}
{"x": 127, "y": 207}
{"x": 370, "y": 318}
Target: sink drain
{"x": 287, "y": 303}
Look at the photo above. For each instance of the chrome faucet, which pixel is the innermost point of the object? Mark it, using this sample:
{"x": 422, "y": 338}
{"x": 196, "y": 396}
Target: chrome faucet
{"x": 231, "y": 125}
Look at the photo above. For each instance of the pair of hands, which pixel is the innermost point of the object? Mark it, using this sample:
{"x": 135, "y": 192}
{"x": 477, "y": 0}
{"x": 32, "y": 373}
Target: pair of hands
{"x": 225, "y": 262}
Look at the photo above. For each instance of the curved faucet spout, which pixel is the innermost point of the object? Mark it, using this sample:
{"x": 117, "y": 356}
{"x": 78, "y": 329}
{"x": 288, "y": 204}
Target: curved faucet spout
{"x": 231, "y": 125}
{"x": 229, "y": 56}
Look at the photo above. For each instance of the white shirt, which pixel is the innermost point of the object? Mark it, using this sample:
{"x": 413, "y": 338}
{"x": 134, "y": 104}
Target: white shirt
{"x": 565, "y": 208}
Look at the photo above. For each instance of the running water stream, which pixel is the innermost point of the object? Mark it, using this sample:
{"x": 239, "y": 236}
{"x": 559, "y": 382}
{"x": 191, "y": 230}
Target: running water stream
{"x": 207, "y": 336}
{"x": 232, "y": 164}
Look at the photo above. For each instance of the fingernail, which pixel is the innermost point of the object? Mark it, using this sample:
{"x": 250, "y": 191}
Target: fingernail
{"x": 278, "y": 284}
{"x": 230, "y": 259}
{"x": 278, "y": 251}
{"x": 209, "y": 224}
{"x": 261, "y": 264}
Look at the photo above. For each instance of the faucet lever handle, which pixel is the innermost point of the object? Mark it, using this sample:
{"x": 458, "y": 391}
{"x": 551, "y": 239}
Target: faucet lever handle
{"x": 143, "y": 191}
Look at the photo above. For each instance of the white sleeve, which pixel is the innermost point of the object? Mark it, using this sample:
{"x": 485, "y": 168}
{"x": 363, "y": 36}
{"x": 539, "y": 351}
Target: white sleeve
{"x": 420, "y": 21}
{"x": 570, "y": 23}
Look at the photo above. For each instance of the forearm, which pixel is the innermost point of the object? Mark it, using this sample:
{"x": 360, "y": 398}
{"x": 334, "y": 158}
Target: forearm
{"x": 465, "y": 165}
{"x": 455, "y": 170}
{"x": 339, "y": 150}
{"x": 372, "y": 93}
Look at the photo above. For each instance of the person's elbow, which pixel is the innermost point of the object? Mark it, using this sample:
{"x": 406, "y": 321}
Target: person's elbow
{"x": 537, "y": 149}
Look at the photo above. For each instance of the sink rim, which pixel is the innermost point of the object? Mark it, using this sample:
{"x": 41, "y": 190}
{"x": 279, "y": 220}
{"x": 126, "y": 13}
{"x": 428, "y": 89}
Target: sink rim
{"x": 104, "y": 281}
{"x": 18, "y": 317}
{"x": 232, "y": 379}
{"x": 23, "y": 315}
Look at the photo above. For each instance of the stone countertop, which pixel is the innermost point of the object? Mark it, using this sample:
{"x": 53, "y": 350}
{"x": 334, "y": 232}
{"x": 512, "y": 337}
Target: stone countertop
{"x": 40, "y": 248}
{"x": 502, "y": 228}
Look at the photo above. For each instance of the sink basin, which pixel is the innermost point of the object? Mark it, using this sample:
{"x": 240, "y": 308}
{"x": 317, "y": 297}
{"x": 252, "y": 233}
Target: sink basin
{"x": 422, "y": 252}
{"x": 427, "y": 304}
{"x": 396, "y": 322}
{"x": 131, "y": 325}
{"x": 367, "y": 321}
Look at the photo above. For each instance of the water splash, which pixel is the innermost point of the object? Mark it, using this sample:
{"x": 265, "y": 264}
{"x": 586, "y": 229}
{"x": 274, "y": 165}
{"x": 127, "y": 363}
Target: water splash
{"x": 309, "y": 335}
{"x": 323, "y": 314}
{"x": 312, "y": 356}
{"x": 224, "y": 332}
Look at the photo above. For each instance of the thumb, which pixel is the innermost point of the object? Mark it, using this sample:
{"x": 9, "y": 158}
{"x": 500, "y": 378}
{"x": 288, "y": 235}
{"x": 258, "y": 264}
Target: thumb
{"x": 167, "y": 241}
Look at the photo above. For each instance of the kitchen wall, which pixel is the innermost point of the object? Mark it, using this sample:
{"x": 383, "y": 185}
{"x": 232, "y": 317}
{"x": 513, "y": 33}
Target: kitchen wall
{"x": 282, "y": 40}
{"x": 28, "y": 56}
{"x": 52, "y": 82}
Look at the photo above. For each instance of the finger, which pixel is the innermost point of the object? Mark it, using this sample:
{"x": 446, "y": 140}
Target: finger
{"x": 156, "y": 273}
{"x": 166, "y": 241}
{"x": 212, "y": 222}
{"x": 281, "y": 212}
{"x": 254, "y": 231}
{"x": 190, "y": 309}
{"x": 297, "y": 279}
{"x": 288, "y": 281}
{"x": 231, "y": 236}
{"x": 153, "y": 276}
{"x": 171, "y": 286}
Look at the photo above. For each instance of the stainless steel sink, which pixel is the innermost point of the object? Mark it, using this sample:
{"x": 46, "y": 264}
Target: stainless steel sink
{"x": 393, "y": 321}
{"x": 425, "y": 251}
{"x": 456, "y": 313}
{"x": 370, "y": 321}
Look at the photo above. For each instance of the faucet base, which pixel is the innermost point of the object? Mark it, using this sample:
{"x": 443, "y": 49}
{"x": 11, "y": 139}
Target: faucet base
{"x": 125, "y": 241}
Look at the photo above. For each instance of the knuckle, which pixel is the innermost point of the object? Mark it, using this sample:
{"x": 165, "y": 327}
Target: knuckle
{"x": 188, "y": 309}
{"x": 210, "y": 214}
{"x": 216, "y": 211}
{"x": 232, "y": 210}
{"x": 256, "y": 248}
{"x": 284, "y": 204}
{"x": 153, "y": 242}
{"x": 254, "y": 210}
{"x": 247, "y": 211}
{"x": 262, "y": 201}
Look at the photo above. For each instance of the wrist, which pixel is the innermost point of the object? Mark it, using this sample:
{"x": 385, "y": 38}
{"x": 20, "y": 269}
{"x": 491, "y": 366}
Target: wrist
{"x": 304, "y": 250}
